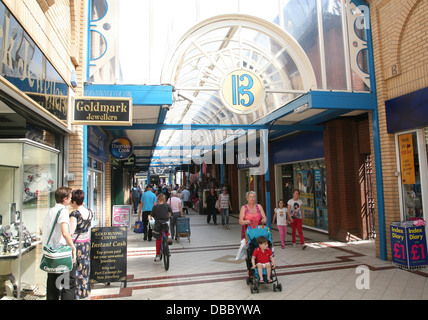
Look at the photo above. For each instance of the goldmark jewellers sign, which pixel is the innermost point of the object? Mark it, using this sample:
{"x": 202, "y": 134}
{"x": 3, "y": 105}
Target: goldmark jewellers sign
{"x": 102, "y": 111}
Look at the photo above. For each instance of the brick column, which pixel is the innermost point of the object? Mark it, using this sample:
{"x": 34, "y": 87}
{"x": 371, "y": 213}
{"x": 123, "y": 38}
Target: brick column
{"x": 343, "y": 161}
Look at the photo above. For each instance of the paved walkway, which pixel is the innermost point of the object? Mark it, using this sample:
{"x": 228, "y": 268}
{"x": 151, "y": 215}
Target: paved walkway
{"x": 205, "y": 269}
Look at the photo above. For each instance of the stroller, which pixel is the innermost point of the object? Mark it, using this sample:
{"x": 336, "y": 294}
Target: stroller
{"x": 253, "y": 276}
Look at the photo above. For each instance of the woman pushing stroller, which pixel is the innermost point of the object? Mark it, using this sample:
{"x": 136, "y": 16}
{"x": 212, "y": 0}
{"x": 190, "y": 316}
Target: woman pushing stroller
{"x": 263, "y": 259}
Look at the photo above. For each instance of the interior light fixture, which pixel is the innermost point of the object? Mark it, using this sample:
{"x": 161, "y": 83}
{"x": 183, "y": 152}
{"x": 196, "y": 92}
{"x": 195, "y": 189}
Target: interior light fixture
{"x": 302, "y": 109}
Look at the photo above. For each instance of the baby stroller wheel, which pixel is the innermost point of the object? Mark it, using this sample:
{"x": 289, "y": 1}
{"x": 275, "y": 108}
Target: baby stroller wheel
{"x": 255, "y": 289}
{"x": 277, "y": 287}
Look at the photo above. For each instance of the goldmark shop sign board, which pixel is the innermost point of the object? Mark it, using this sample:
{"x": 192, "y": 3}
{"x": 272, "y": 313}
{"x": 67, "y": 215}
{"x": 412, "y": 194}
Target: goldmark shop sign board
{"x": 102, "y": 111}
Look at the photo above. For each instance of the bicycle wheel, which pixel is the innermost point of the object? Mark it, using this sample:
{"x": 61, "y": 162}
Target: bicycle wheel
{"x": 165, "y": 252}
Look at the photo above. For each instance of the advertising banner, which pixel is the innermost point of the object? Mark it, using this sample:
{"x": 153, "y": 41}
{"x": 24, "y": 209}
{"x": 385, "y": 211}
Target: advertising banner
{"x": 398, "y": 245}
{"x": 408, "y": 245}
{"x": 417, "y": 246}
{"x": 122, "y": 216}
{"x": 108, "y": 255}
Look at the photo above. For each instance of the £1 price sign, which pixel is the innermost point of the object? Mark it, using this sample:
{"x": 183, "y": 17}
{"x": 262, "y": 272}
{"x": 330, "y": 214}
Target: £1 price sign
{"x": 398, "y": 245}
{"x": 417, "y": 246}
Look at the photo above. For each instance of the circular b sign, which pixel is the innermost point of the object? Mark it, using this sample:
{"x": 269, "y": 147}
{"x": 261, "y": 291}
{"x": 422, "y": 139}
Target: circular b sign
{"x": 242, "y": 91}
{"x": 121, "y": 148}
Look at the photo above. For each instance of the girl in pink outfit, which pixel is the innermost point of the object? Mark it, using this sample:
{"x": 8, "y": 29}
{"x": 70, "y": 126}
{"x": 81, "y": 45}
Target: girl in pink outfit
{"x": 281, "y": 217}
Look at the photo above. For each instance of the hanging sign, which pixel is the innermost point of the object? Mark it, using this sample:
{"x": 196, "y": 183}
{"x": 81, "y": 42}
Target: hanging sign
{"x": 407, "y": 159}
{"x": 242, "y": 91}
{"x": 121, "y": 148}
{"x": 102, "y": 111}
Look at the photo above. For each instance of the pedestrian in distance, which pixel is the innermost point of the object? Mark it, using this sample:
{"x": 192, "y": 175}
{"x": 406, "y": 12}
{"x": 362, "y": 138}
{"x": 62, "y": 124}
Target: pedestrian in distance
{"x": 224, "y": 205}
{"x": 135, "y": 197}
{"x": 177, "y": 211}
{"x": 148, "y": 200}
{"x": 295, "y": 216}
{"x": 210, "y": 203}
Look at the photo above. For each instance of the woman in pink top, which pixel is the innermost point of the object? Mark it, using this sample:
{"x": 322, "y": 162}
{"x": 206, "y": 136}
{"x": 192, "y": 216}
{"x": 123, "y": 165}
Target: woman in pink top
{"x": 177, "y": 211}
{"x": 251, "y": 214}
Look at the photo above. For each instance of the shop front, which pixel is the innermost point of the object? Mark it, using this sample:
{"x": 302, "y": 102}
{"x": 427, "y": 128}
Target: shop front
{"x": 34, "y": 100}
{"x": 411, "y": 139}
{"x": 299, "y": 164}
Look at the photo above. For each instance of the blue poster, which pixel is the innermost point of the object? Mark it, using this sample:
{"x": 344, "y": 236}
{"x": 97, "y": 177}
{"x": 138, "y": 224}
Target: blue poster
{"x": 398, "y": 245}
{"x": 417, "y": 246}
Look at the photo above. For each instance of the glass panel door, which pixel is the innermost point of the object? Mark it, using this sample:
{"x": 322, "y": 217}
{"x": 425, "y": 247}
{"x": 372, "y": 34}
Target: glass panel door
{"x": 410, "y": 175}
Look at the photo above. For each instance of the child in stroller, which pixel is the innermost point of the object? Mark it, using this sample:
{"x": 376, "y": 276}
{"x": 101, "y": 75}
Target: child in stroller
{"x": 263, "y": 259}
{"x": 264, "y": 275}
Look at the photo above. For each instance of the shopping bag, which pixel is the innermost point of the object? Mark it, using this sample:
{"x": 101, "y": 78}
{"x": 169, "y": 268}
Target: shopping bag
{"x": 242, "y": 251}
{"x": 58, "y": 260}
{"x": 139, "y": 226}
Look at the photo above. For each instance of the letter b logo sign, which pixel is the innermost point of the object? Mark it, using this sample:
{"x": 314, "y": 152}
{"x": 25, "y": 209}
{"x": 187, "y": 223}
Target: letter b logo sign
{"x": 242, "y": 91}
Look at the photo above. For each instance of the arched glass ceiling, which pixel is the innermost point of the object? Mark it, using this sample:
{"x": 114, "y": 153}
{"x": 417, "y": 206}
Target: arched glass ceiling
{"x": 218, "y": 46}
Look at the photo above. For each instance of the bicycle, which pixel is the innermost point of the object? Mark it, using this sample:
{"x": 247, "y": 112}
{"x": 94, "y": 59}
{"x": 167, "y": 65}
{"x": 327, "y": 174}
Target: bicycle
{"x": 165, "y": 253}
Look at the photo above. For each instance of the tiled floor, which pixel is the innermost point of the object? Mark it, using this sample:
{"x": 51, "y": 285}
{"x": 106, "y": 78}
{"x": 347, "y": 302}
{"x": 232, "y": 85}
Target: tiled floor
{"x": 205, "y": 269}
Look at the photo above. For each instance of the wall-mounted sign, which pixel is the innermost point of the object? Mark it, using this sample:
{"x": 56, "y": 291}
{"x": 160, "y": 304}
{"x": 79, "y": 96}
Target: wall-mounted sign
{"x": 102, "y": 111}
{"x": 25, "y": 66}
{"x": 121, "y": 148}
{"x": 242, "y": 91}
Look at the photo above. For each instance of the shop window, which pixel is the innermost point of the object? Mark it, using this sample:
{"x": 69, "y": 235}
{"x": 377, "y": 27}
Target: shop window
{"x": 410, "y": 176}
{"x": 309, "y": 178}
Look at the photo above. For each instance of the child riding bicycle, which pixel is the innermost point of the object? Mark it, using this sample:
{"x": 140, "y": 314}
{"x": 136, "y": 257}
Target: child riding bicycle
{"x": 161, "y": 213}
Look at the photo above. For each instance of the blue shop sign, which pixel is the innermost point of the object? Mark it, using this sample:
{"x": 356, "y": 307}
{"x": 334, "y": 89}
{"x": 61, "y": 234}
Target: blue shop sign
{"x": 121, "y": 148}
{"x": 97, "y": 144}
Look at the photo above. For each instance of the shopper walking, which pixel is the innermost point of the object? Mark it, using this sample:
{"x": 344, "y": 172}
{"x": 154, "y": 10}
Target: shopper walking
{"x": 210, "y": 205}
{"x": 251, "y": 214}
{"x": 60, "y": 236}
{"x": 295, "y": 216}
{"x": 135, "y": 196}
{"x": 148, "y": 200}
{"x": 177, "y": 211}
{"x": 186, "y": 198}
{"x": 80, "y": 228}
{"x": 281, "y": 218}
{"x": 224, "y": 206}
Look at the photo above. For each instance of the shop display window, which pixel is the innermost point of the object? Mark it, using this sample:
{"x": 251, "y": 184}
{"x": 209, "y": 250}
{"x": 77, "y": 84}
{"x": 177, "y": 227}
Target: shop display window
{"x": 309, "y": 178}
{"x": 410, "y": 175}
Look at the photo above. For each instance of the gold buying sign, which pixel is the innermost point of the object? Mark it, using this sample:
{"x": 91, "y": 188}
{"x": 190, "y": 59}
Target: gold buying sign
{"x": 102, "y": 111}
{"x": 242, "y": 91}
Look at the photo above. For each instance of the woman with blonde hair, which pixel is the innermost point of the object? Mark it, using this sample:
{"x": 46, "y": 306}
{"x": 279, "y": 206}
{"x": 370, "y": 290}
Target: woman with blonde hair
{"x": 251, "y": 214}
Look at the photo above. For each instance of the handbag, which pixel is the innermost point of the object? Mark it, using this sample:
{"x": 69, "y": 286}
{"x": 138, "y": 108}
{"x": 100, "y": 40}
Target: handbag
{"x": 58, "y": 260}
{"x": 139, "y": 226}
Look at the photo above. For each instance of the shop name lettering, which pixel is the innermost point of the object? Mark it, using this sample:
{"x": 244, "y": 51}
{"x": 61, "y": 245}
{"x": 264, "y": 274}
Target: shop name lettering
{"x": 31, "y": 71}
{"x": 414, "y": 234}
{"x": 103, "y": 110}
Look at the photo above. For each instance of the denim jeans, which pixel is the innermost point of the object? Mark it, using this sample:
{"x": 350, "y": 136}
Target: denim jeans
{"x": 225, "y": 216}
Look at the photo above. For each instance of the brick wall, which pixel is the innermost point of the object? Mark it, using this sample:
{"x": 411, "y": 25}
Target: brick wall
{"x": 343, "y": 141}
{"x": 400, "y": 41}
